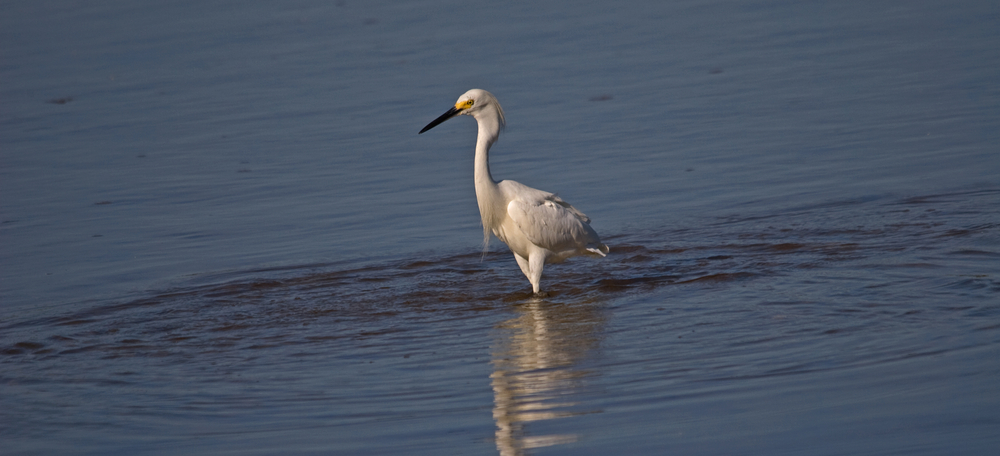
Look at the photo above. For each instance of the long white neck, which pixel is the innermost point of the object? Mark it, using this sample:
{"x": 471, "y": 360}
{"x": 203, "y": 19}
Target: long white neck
{"x": 492, "y": 206}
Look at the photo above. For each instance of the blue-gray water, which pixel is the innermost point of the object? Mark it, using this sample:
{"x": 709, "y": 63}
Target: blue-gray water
{"x": 221, "y": 233}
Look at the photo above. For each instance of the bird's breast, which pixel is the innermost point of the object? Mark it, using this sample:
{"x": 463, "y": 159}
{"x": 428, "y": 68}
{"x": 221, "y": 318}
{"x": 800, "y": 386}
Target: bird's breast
{"x": 509, "y": 233}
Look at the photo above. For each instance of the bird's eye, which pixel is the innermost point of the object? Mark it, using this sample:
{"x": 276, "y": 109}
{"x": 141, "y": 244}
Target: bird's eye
{"x": 468, "y": 104}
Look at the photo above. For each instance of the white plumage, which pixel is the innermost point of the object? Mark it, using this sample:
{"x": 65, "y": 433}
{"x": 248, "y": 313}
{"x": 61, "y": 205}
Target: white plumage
{"x": 537, "y": 226}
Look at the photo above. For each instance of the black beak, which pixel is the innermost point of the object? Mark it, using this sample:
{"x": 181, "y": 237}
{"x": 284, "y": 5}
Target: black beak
{"x": 451, "y": 113}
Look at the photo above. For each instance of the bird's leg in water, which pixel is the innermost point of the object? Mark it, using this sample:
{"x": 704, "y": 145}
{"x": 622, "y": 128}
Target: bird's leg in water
{"x": 535, "y": 264}
{"x": 523, "y": 263}
{"x": 532, "y": 270}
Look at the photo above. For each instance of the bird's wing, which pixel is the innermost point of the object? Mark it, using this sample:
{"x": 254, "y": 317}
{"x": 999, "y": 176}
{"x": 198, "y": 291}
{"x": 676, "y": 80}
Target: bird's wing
{"x": 568, "y": 207}
{"x": 552, "y": 224}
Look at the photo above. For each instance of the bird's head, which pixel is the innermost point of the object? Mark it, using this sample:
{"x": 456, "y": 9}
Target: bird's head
{"x": 477, "y": 103}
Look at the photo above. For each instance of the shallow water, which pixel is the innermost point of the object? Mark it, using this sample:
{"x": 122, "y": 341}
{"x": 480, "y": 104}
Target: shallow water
{"x": 221, "y": 233}
{"x": 758, "y": 334}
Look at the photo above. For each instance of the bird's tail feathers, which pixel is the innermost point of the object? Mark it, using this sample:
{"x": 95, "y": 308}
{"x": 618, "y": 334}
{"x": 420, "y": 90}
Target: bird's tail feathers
{"x": 601, "y": 250}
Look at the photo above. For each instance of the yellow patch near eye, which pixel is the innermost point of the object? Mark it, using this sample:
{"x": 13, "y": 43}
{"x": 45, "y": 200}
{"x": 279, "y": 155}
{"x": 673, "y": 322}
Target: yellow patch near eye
{"x": 464, "y": 104}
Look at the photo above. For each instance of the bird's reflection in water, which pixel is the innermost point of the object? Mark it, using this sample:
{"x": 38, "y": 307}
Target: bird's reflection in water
{"x": 534, "y": 370}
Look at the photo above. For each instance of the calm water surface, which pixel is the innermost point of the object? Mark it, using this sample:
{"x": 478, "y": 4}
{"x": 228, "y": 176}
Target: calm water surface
{"x": 221, "y": 234}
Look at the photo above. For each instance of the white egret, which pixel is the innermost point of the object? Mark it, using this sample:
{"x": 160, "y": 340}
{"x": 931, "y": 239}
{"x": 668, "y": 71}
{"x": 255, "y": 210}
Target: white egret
{"x": 537, "y": 226}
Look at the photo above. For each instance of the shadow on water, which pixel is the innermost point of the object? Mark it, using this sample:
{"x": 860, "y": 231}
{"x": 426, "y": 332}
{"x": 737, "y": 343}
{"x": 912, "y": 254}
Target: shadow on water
{"x": 908, "y": 257}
